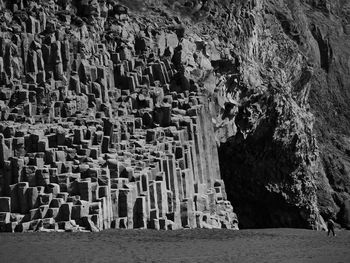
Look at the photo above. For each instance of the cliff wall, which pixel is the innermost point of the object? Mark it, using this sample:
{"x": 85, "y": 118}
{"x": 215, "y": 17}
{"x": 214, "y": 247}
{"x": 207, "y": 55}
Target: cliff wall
{"x": 263, "y": 81}
{"x": 100, "y": 127}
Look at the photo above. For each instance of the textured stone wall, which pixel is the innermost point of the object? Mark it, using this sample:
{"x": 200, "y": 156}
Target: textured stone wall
{"x": 100, "y": 125}
{"x": 153, "y": 87}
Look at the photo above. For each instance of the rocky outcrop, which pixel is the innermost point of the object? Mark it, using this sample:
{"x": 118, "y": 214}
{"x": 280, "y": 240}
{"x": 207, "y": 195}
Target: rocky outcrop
{"x": 288, "y": 161}
{"x": 98, "y": 95}
{"x": 100, "y": 127}
{"x": 268, "y": 154}
{"x": 329, "y": 98}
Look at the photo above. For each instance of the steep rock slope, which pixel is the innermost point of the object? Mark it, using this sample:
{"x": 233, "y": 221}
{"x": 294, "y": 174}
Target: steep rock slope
{"x": 329, "y": 99}
{"x": 282, "y": 169}
{"x": 272, "y": 160}
{"x": 283, "y": 67}
{"x": 256, "y": 67}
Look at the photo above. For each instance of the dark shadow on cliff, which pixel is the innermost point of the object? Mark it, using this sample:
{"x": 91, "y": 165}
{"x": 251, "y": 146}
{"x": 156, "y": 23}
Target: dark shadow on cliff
{"x": 247, "y": 166}
{"x": 259, "y": 172}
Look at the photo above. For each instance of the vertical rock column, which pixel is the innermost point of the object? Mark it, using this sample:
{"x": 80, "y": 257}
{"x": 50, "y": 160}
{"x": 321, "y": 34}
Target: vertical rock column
{"x": 211, "y": 152}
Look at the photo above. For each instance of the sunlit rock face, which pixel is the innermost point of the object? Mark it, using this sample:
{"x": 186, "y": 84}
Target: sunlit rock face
{"x": 159, "y": 113}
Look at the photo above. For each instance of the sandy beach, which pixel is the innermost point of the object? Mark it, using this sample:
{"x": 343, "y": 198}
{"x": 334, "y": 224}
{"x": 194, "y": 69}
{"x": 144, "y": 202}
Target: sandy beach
{"x": 267, "y": 245}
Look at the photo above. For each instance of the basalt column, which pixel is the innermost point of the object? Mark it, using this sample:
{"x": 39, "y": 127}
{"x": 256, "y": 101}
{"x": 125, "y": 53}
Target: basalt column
{"x": 96, "y": 130}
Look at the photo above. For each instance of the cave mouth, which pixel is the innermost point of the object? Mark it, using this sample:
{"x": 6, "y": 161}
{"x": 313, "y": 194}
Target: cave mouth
{"x": 255, "y": 206}
{"x": 246, "y": 174}
{"x": 265, "y": 213}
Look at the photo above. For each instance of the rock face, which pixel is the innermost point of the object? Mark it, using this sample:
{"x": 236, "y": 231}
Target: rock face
{"x": 272, "y": 160}
{"x": 100, "y": 127}
{"x": 287, "y": 162}
{"x": 329, "y": 98}
{"x": 112, "y": 111}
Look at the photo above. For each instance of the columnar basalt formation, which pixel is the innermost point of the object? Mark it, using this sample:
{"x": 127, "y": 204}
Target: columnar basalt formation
{"x": 100, "y": 128}
{"x": 112, "y": 112}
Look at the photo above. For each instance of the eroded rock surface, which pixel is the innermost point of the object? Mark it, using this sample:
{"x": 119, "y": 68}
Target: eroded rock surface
{"x": 101, "y": 127}
{"x": 112, "y": 111}
{"x": 288, "y": 161}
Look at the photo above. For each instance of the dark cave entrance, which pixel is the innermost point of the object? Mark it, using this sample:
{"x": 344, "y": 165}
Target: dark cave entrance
{"x": 246, "y": 166}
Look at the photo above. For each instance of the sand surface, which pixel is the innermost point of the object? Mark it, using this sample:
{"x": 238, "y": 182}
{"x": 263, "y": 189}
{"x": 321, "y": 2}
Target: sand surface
{"x": 267, "y": 245}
